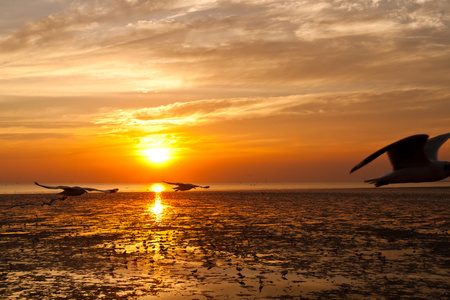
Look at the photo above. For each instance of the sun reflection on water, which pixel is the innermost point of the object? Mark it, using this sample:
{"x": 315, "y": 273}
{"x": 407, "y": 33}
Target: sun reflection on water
{"x": 157, "y": 208}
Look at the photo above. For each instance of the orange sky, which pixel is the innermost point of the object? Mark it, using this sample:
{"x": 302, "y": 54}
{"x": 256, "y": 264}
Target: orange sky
{"x": 235, "y": 91}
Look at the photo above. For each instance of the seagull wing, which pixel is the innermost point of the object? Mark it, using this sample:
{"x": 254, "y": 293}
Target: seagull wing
{"x": 174, "y": 183}
{"x": 407, "y": 152}
{"x": 59, "y": 187}
{"x": 103, "y": 191}
{"x": 198, "y": 186}
{"x": 369, "y": 159}
{"x": 432, "y": 145}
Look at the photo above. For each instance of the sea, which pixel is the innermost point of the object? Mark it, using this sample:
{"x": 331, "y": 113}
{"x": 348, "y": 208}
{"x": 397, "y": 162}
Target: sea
{"x": 31, "y": 188}
{"x": 231, "y": 241}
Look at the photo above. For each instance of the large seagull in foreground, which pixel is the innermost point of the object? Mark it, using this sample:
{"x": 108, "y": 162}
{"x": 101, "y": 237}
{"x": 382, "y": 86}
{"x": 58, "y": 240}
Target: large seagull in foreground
{"x": 414, "y": 159}
{"x": 185, "y": 186}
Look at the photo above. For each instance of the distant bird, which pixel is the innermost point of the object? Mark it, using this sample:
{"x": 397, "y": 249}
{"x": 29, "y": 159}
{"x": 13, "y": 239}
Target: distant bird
{"x": 414, "y": 159}
{"x": 50, "y": 202}
{"x": 72, "y": 191}
{"x": 19, "y": 205}
{"x": 185, "y": 186}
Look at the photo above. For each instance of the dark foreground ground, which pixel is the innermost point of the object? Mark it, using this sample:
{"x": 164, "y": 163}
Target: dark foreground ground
{"x": 311, "y": 244}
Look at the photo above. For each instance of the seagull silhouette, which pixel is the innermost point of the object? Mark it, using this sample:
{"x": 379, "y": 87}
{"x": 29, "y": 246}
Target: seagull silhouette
{"x": 19, "y": 205}
{"x": 185, "y": 186}
{"x": 413, "y": 159}
{"x": 73, "y": 191}
{"x": 50, "y": 202}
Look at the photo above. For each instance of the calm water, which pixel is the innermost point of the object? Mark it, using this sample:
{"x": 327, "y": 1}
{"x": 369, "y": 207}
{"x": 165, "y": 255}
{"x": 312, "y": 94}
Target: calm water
{"x": 316, "y": 244}
{"x": 136, "y": 187}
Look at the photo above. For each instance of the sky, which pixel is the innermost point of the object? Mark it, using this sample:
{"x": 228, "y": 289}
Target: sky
{"x": 225, "y": 91}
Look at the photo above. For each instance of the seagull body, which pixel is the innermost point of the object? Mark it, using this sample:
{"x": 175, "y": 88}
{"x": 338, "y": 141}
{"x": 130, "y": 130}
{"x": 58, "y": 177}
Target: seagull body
{"x": 413, "y": 159}
{"x": 74, "y": 190}
{"x": 185, "y": 186}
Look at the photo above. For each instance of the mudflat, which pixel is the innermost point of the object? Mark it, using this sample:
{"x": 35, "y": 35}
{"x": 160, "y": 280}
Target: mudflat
{"x": 387, "y": 243}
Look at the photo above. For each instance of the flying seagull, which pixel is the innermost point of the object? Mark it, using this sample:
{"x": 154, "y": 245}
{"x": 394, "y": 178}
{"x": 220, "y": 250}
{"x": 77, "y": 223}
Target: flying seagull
{"x": 185, "y": 186}
{"x": 51, "y": 201}
{"x": 73, "y": 190}
{"x": 413, "y": 159}
{"x": 19, "y": 205}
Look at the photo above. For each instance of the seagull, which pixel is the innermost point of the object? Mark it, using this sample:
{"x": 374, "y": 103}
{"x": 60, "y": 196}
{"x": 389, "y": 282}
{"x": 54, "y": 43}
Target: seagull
{"x": 413, "y": 159}
{"x": 51, "y": 201}
{"x": 72, "y": 191}
{"x": 19, "y": 205}
{"x": 185, "y": 186}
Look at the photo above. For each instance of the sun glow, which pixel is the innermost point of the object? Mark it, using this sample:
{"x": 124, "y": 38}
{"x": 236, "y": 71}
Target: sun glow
{"x": 157, "y": 155}
{"x": 157, "y": 188}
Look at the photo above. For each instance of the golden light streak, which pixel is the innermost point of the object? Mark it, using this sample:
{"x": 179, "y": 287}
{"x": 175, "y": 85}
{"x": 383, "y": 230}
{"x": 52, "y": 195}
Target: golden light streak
{"x": 157, "y": 207}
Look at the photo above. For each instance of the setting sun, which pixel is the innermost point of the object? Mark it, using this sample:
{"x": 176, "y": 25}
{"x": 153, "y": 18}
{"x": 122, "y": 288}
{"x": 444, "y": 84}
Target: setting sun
{"x": 157, "y": 188}
{"x": 157, "y": 155}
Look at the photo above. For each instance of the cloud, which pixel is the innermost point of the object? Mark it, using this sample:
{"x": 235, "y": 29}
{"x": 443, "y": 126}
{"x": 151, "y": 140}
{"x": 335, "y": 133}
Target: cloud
{"x": 207, "y": 42}
{"x": 199, "y": 112}
{"x": 289, "y": 114}
{"x": 260, "y": 59}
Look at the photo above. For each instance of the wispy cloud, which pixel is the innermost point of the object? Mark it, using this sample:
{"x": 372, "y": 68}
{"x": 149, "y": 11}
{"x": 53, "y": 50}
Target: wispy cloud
{"x": 158, "y": 45}
{"x": 320, "y": 117}
{"x": 197, "y": 113}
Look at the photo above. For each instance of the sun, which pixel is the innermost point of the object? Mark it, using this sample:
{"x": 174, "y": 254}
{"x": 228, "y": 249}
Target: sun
{"x": 157, "y": 155}
{"x": 157, "y": 188}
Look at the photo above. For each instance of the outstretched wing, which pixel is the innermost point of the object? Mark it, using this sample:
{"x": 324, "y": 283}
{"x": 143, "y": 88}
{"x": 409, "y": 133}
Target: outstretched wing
{"x": 369, "y": 159}
{"x": 103, "y": 191}
{"x": 407, "y": 152}
{"x": 198, "y": 186}
{"x": 59, "y": 187}
{"x": 432, "y": 145}
{"x": 174, "y": 183}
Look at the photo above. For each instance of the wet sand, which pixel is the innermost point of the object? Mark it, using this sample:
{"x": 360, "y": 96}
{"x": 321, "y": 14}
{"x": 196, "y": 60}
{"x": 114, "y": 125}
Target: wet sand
{"x": 387, "y": 243}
